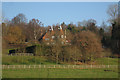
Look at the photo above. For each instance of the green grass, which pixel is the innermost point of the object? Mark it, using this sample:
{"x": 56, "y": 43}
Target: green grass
{"x": 55, "y": 73}
{"x": 107, "y": 61}
{"x": 29, "y": 60}
{"x": 59, "y": 73}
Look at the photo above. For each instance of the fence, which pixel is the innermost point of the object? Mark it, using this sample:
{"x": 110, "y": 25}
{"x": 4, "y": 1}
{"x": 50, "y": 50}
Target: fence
{"x": 58, "y": 66}
{"x": 21, "y": 54}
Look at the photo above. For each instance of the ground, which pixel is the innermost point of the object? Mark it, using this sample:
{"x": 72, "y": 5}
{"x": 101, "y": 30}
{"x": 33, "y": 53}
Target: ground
{"x": 56, "y": 72}
{"x": 60, "y": 73}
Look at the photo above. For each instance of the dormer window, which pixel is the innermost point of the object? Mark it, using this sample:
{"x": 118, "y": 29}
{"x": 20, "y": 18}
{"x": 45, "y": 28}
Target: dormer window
{"x": 61, "y": 36}
{"x": 62, "y": 42}
{"x": 46, "y": 39}
{"x": 53, "y": 37}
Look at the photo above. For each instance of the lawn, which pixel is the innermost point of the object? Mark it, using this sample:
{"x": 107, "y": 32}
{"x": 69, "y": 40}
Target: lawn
{"x": 107, "y": 61}
{"x": 31, "y": 60}
{"x": 25, "y": 60}
{"x": 56, "y": 73}
{"x": 60, "y": 73}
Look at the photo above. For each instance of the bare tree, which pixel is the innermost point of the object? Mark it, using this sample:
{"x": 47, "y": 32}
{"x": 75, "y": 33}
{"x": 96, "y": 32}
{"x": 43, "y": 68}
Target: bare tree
{"x": 113, "y": 12}
{"x": 34, "y": 29}
{"x": 19, "y": 19}
{"x": 89, "y": 44}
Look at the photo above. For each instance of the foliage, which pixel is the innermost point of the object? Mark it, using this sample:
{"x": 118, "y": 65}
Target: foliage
{"x": 19, "y": 19}
{"x": 89, "y": 44}
{"x": 14, "y": 35}
{"x": 115, "y": 38}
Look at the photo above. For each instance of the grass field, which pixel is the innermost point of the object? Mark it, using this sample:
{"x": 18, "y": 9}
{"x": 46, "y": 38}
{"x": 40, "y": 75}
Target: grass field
{"x": 107, "y": 61}
{"x": 31, "y": 60}
{"x": 56, "y": 73}
{"x": 27, "y": 60}
{"x": 60, "y": 73}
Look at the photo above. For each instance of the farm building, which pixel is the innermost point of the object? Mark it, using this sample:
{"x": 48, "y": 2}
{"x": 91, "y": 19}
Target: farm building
{"x": 54, "y": 34}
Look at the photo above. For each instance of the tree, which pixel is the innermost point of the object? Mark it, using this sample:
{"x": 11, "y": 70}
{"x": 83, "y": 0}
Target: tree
{"x": 101, "y": 32}
{"x": 76, "y": 54}
{"x": 72, "y": 28}
{"x": 91, "y": 25}
{"x": 34, "y": 29}
{"x": 90, "y": 45}
{"x": 79, "y": 24}
{"x": 64, "y": 56}
{"x": 19, "y": 19}
{"x": 71, "y": 54}
{"x": 115, "y": 38}
{"x": 63, "y": 25}
{"x": 106, "y": 40}
{"x": 91, "y": 22}
{"x": 84, "y": 23}
{"x": 104, "y": 27}
{"x": 4, "y": 32}
{"x": 113, "y": 12}
{"x": 14, "y": 35}
{"x": 56, "y": 50}
{"x": 114, "y": 20}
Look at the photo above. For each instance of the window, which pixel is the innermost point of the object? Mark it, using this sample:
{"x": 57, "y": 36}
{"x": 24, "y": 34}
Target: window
{"x": 48, "y": 43}
{"x": 46, "y": 39}
{"x": 62, "y": 42}
{"x": 53, "y": 43}
{"x": 53, "y": 37}
{"x": 61, "y": 36}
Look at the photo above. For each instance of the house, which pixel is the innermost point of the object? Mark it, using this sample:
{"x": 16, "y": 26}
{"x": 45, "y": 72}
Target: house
{"x": 55, "y": 34}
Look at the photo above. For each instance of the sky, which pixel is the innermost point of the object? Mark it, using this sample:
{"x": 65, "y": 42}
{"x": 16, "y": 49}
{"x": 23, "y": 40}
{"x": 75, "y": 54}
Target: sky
{"x": 50, "y": 13}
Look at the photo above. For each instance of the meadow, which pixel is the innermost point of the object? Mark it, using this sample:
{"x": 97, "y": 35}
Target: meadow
{"x": 56, "y": 72}
{"x": 60, "y": 73}
{"x": 32, "y": 60}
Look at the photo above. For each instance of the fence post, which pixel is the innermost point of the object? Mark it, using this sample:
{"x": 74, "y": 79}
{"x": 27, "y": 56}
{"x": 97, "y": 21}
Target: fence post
{"x": 3, "y": 66}
{"x": 8, "y": 66}
{"x": 39, "y": 66}
{"x": 54, "y": 66}
{"x": 68, "y": 66}
{"x": 14, "y": 66}
{"x": 34, "y": 66}
{"x": 44, "y": 66}
{"x": 17, "y": 66}
{"x": 24, "y": 66}
{"x": 91, "y": 66}
{"x": 108, "y": 66}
